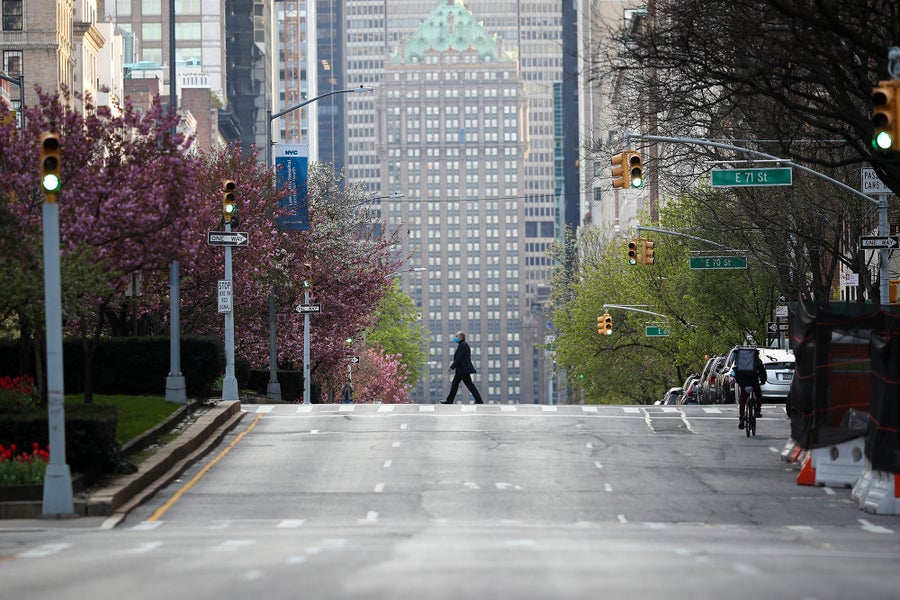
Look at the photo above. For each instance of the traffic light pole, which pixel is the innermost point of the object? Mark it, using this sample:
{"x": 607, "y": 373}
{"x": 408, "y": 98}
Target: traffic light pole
{"x": 58, "y": 478}
{"x": 881, "y": 202}
{"x": 229, "y": 383}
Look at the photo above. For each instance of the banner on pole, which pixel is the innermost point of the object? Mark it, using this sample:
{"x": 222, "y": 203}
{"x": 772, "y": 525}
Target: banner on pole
{"x": 291, "y": 168}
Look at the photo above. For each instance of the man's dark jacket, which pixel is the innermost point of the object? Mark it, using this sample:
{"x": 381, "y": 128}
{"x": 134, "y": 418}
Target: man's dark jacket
{"x": 462, "y": 359}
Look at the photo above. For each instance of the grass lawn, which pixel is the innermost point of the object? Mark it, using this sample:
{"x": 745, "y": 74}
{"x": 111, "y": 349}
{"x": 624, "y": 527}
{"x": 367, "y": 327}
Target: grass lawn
{"x": 137, "y": 414}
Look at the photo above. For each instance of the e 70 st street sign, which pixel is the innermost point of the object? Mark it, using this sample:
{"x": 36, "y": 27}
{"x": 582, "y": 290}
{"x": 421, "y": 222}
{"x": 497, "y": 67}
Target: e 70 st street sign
{"x": 752, "y": 177}
{"x": 227, "y": 238}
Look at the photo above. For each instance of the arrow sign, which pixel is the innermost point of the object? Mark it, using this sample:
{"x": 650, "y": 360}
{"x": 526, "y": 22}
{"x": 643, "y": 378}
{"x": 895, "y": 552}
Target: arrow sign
{"x": 889, "y": 241}
{"x": 773, "y": 327}
{"x": 227, "y": 238}
{"x": 354, "y": 360}
{"x": 308, "y": 308}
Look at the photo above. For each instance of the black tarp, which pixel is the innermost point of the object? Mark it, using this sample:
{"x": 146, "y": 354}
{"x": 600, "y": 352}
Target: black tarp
{"x": 883, "y": 437}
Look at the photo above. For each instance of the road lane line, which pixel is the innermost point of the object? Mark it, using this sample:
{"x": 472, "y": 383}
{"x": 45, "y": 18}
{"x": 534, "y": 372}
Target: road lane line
{"x": 631, "y": 410}
{"x": 507, "y": 408}
{"x": 828, "y": 491}
{"x": 872, "y": 528}
{"x": 589, "y": 409}
{"x": 548, "y": 409}
{"x": 346, "y": 408}
{"x": 387, "y": 464}
{"x": 171, "y": 502}
{"x": 426, "y": 408}
{"x": 385, "y": 408}
{"x": 598, "y": 464}
{"x": 379, "y": 487}
{"x": 712, "y": 410}
{"x": 607, "y": 487}
{"x": 140, "y": 549}
{"x": 232, "y": 545}
{"x": 146, "y": 526}
{"x": 403, "y": 426}
{"x": 371, "y": 517}
{"x": 304, "y": 409}
{"x": 290, "y": 523}
{"x": 396, "y": 444}
{"x": 264, "y": 408}
{"x": 622, "y": 519}
{"x": 589, "y": 446}
{"x": 44, "y": 551}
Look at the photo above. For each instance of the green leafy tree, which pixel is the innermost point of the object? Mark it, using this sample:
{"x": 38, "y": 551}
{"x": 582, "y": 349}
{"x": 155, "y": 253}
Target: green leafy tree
{"x": 398, "y": 330}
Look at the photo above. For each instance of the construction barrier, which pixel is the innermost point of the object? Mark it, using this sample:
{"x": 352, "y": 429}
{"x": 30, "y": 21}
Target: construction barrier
{"x": 877, "y": 492}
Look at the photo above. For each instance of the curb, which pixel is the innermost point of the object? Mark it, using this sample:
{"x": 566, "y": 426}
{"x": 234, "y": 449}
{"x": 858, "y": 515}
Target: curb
{"x": 122, "y": 494}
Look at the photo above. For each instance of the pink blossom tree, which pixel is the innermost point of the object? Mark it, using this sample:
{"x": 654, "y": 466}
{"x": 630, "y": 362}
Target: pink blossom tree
{"x": 381, "y": 377}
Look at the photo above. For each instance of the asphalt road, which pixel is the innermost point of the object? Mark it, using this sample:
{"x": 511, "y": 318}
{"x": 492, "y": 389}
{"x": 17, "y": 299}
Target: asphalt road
{"x": 408, "y": 501}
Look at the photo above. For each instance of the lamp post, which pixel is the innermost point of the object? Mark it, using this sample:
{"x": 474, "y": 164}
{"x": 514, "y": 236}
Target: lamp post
{"x": 273, "y": 389}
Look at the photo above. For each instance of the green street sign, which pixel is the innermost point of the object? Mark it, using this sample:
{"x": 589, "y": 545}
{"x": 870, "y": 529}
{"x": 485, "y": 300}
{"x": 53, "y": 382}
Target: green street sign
{"x": 655, "y": 331}
{"x": 718, "y": 262}
{"x": 752, "y": 177}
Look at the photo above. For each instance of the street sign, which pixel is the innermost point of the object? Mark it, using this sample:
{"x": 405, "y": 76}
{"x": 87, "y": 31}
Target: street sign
{"x": 227, "y": 238}
{"x": 888, "y": 241}
{"x": 871, "y": 184}
{"x": 718, "y": 262}
{"x": 226, "y": 297}
{"x": 655, "y": 331}
{"x": 773, "y": 327}
{"x": 752, "y": 177}
{"x": 308, "y": 308}
{"x": 781, "y": 311}
{"x": 354, "y": 360}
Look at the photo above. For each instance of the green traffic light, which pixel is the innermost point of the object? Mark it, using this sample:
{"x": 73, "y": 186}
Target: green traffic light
{"x": 882, "y": 141}
{"x": 50, "y": 182}
{"x": 637, "y": 181}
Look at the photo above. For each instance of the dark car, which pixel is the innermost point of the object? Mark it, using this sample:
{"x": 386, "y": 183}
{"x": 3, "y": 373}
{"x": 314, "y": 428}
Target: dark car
{"x": 690, "y": 389}
{"x": 670, "y": 398}
{"x": 709, "y": 391}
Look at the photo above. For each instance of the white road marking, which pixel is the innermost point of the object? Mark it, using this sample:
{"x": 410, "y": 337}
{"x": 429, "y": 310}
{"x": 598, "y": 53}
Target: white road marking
{"x": 403, "y": 426}
{"x": 872, "y": 528}
{"x": 314, "y": 431}
{"x": 598, "y": 464}
{"x": 548, "y": 409}
{"x": 589, "y": 409}
{"x": 712, "y": 410}
{"x": 828, "y": 491}
{"x": 385, "y": 408}
{"x": 396, "y": 444}
{"x": 507, "y": 408}
{"x": 379, "y": 487}
{"x": 388, "y": 463}
{"x": 589, "y": 446}
{"x": 347, "y": 408}
{"x": 304, "y": 409}
{"x": 503, "y": 486}
{"x": 686, "y": 422}
{"x": 264, "y": 409}
{"x": 296, "y": 560}
{"x": 622, "y": 519}
{"x": 252, "y": 575}
{"x": 221, "y": 524}
{"x": 607, "y": 487}
{"x": 468, "y": 408}
{"x": 44, "y": 551}
{"x": 670, "y": 409}
{"x": 232, "y": 545}
{"x": 744, "y": 569}
{"x": 800, "y": 528}
{"x": 140, "y": 548}
{"x": 471, "y": 485}
{"x": 426, "y": 408}
{"x": 775, "y": 450}
{"x": 631, "y": 410}
{"x": 290, "y": 523}
{"x": 371, "y": 517}
{"x": 147, "y": 525}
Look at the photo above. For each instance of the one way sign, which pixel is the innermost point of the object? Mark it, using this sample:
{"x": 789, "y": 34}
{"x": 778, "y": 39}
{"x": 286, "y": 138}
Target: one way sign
{"x": 227, "y": 238}
{"x": 888, "y": 241}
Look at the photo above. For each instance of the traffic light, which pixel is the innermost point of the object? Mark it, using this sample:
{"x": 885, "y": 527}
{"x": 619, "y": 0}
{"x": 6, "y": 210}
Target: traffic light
{"x": 647, "y": 254}
{"x": 229, "y": 201}
{"x": 885, "y": 116}
{"x": 604, "y": 324}
{"x": 50, "y": 165}
{"x": 635, "y": 170}
{"x": 633, "y": 252}
{"x": 618, "y": 169}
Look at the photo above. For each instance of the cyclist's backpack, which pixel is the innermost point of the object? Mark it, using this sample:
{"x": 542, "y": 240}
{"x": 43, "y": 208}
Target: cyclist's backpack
{"x": 744, "y": 361}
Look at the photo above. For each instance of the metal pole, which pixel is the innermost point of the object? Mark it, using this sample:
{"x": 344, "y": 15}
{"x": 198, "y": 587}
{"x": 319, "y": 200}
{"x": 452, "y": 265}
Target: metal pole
{"x": 229, "y": 384}
{"x": 175, "y": 385}
{"x": 306, "y": 387}
{"x": 273, "y": 389}
{"x": 883, "y": 254}
{"x": 58, "y": 479}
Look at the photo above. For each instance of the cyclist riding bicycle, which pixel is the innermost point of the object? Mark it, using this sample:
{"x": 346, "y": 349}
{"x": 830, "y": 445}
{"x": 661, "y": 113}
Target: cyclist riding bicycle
{"x": 749, "y": 371}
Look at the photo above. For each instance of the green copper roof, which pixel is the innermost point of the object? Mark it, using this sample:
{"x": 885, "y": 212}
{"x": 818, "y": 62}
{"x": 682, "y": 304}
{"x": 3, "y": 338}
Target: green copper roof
{"x": 451, "y": 26}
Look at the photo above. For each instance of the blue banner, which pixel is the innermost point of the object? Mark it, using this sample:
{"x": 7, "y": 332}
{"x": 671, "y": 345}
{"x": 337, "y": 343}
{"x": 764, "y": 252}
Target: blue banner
{"x": 291, "y": 168}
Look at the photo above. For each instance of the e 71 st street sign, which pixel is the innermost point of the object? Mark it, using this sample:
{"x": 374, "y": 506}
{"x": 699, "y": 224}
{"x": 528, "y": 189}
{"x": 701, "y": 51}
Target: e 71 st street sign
{"x": 752, "y": 177}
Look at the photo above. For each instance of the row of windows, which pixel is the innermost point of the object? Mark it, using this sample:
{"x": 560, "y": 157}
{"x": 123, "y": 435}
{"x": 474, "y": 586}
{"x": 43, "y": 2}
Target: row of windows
{"x": 13, "y": 12}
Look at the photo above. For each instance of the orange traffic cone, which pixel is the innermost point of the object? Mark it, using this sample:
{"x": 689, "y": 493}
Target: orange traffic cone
{"x": 807, "y": 474}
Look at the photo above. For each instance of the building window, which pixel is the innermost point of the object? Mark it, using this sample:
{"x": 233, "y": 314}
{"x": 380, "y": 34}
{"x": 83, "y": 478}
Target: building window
{"x": 12, "y": 62}
{"x": 151, "y": 7}
{"x": 12, "y": 15}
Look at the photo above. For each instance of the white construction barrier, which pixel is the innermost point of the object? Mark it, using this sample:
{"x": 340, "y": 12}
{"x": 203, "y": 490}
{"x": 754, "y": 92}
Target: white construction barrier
{"x": 877, "y": 492}
{"x": 839, "y": 465}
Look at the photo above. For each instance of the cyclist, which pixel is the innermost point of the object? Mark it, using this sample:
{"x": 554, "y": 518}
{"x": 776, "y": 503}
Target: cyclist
{"x": 749, "y": 372}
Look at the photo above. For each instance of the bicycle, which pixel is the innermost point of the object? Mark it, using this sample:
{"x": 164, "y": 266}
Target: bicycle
{"x": 750, "y": 411}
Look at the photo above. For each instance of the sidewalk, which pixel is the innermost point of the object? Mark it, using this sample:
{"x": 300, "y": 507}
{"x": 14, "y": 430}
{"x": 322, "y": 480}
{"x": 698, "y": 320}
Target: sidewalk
{"x": 108, "y": 504}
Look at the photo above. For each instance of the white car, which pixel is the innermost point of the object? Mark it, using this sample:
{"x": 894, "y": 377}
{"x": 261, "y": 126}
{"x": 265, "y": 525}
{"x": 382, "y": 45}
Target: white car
{"x": 779, "y": 373}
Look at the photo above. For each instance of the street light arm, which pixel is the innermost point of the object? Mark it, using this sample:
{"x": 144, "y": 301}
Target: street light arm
{"x": 325, "y": 95}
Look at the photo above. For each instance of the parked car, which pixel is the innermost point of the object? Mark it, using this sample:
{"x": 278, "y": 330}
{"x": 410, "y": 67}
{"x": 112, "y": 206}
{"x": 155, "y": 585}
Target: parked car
{"x": 779, "y": 366}
{"x": 670, "y": 398}
{"x": 708, "y": 393}
{"x": 689, "y": 390}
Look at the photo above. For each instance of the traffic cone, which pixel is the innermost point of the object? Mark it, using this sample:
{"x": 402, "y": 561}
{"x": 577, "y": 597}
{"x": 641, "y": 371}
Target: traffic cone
{"x": 807, "y": 474}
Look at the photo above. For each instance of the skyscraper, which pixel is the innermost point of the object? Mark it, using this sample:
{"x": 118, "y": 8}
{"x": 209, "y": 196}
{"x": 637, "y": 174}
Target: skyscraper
{"x": 462, "y": 124}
